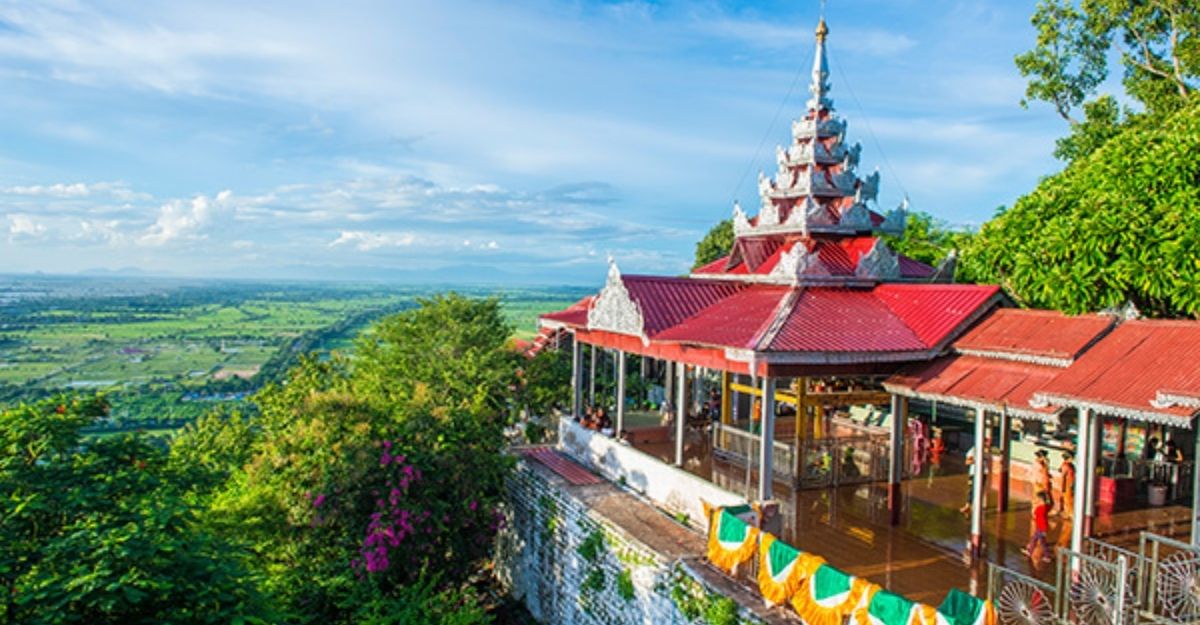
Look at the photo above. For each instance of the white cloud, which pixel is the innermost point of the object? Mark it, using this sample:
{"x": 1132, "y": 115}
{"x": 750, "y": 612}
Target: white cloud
{"x": 23, "y": 226}
{"x": 184, "y": 219}
{"x": 366, "y": 241}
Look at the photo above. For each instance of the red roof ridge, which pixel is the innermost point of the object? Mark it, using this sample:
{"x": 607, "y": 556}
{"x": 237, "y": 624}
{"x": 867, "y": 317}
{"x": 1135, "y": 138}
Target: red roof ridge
{"x": 771, "y": 327}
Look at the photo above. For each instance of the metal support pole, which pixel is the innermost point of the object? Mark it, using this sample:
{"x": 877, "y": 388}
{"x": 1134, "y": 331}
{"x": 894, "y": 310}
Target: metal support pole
{"x": 765, "y": 468}
{"x": 1082, "y": 475}
{"x": 978, "y": 495}
{"x": 576, "y": 378}
{"x": 896, "y": 466}
{"x": 1005, "y": 458}
{"x": 680, "y": 411}
{"x": 620, "y": 394}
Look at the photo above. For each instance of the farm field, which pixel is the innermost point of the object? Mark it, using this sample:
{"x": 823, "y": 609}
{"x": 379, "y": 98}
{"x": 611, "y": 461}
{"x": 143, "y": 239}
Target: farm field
{"x": 166, "y": 351}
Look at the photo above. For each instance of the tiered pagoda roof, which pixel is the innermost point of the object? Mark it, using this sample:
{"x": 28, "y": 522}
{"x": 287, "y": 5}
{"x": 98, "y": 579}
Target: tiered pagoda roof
{"x": 809, "y": 283}
{"x": 816, "y": 222}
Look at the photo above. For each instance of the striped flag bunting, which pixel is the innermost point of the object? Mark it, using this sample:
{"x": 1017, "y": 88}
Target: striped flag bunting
{"x": 829, "y": 596}
{"x": 731, "y": 541}
{"x": 782, "y": 569}
{"x": 960, "y": 608}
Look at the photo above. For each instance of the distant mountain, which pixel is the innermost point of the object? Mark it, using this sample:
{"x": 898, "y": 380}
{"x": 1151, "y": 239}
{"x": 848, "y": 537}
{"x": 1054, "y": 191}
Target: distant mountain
{"x": 464, "y": 274}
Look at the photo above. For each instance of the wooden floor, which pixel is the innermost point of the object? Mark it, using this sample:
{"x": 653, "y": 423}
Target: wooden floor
{"x": 924, "y": 556}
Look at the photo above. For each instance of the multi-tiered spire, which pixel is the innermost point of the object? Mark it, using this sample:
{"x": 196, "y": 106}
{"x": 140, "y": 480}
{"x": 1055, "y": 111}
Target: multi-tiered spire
{"x": 816, "y": 188}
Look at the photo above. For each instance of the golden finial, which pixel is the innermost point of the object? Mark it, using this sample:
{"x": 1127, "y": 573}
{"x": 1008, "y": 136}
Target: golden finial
{"x": 822, "y": 30}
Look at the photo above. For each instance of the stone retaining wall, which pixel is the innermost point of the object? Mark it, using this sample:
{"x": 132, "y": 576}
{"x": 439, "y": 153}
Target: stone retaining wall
{"x": 569, "y": 563}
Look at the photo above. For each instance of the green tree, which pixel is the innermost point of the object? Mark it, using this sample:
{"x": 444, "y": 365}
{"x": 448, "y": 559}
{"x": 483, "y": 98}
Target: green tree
{"x": 1119, "y": 225}
{"x": 103, "y": 531}
{"x": 927, "y": 239}
{"x": 374, "y": 476}
{"x": 1158, "y": 42}
{"x": 715, "y": 244}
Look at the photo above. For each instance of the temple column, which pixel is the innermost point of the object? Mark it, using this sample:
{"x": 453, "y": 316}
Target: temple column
{"x": 1196, "y": 485}
{"x": 896, "y": 465}
{"x": 1095, "y": 454}
{"x": 1082, "y": 476}
{"x": 978, "y": 494}
{"x": 727, "y": 400}
{"x": 576, "y": 378}
{"x": 680, "y": 411}
{"x": 765, "y": 468}
{"x": 620, "y": 425}
{"x": 1005, "y": 457}
{"x": 592, "y": 380}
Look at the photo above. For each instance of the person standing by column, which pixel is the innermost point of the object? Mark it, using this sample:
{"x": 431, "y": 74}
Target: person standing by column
{"x": 1041, "y": 475}
{"x": 1066, "y": 483}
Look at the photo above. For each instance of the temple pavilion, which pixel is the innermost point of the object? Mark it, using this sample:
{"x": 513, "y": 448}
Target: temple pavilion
{"x": 809, "y": 289}
{"x": 811, "y": 311}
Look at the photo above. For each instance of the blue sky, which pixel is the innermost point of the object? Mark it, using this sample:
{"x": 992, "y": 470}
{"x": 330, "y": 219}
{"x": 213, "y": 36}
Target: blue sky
{"x": 481, "y": 140}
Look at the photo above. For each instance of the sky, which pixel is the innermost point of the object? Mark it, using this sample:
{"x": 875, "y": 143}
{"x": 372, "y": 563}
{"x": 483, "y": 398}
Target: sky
{"x": 516, "y": 141}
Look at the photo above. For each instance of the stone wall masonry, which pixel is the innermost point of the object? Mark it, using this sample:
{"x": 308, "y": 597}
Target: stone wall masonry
{"x": 594, "y": 554}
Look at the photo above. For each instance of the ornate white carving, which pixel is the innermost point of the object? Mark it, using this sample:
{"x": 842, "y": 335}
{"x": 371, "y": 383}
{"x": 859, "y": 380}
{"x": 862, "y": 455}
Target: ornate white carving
{"x": 797, "y": 218}
{"x": 796, "y": 263}
{"x": 764, "y": 184}
{"x": 808, "y": 128}
{"x": 856, "y": 217}
{"x": 816, "y": 214}
{"x": 896, "y": 219}
{"x": 880, "y": 263}
{"x": 870, "y": 187}
{"x": 849, "y": 157}
{"x": 768, "y": 215}
{"x": 741, "y": 223}
{"x": 614, "y": 310}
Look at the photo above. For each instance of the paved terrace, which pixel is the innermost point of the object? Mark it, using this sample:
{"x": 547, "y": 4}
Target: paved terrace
{"x": 924, "y": 556}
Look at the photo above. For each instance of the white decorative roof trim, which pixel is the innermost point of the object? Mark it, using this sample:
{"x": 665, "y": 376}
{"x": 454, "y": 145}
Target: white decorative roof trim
{"x": 798, "y": 262}
{"x": 856, "y": 217}
{"x": 614, "y": 310}
{"x": 1020, "y": 413}
{"x": 1048, "y": 399}
{"x": 1046, "y": 361}
{"x": 880, "y": 263}
{"x": 1167, "y": 399}
{"x": 808, "y": 128}
{"x": 741, "y": 223}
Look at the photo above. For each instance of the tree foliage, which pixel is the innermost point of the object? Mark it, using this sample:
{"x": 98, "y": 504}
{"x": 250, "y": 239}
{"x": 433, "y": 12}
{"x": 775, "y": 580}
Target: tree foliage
{"x": 927, "y": 239}
{"x": 105, "y": 530}
{"x": 715, "y": 244}
{"x": 1119, "y": 225}
{"x": 1158, "y": 42}
{"x": 373, "y": 476}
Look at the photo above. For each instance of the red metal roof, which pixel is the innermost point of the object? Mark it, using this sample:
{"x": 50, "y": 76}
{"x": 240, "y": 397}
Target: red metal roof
{"x": 974, "y": 380}
{"x": 933, "y": 311}
{"x": 1123, "y": 373}
{"x": 667, "y": 301}
{"x": 736, "y": 322}
{"x": 575, "y": 315}
{"x": 842, "y": 320}
{"x": 1035, "y": 333}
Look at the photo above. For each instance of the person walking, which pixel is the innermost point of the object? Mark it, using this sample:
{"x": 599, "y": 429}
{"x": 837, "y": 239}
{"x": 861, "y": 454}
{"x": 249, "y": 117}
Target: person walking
{"x": 1039, "y": 525}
